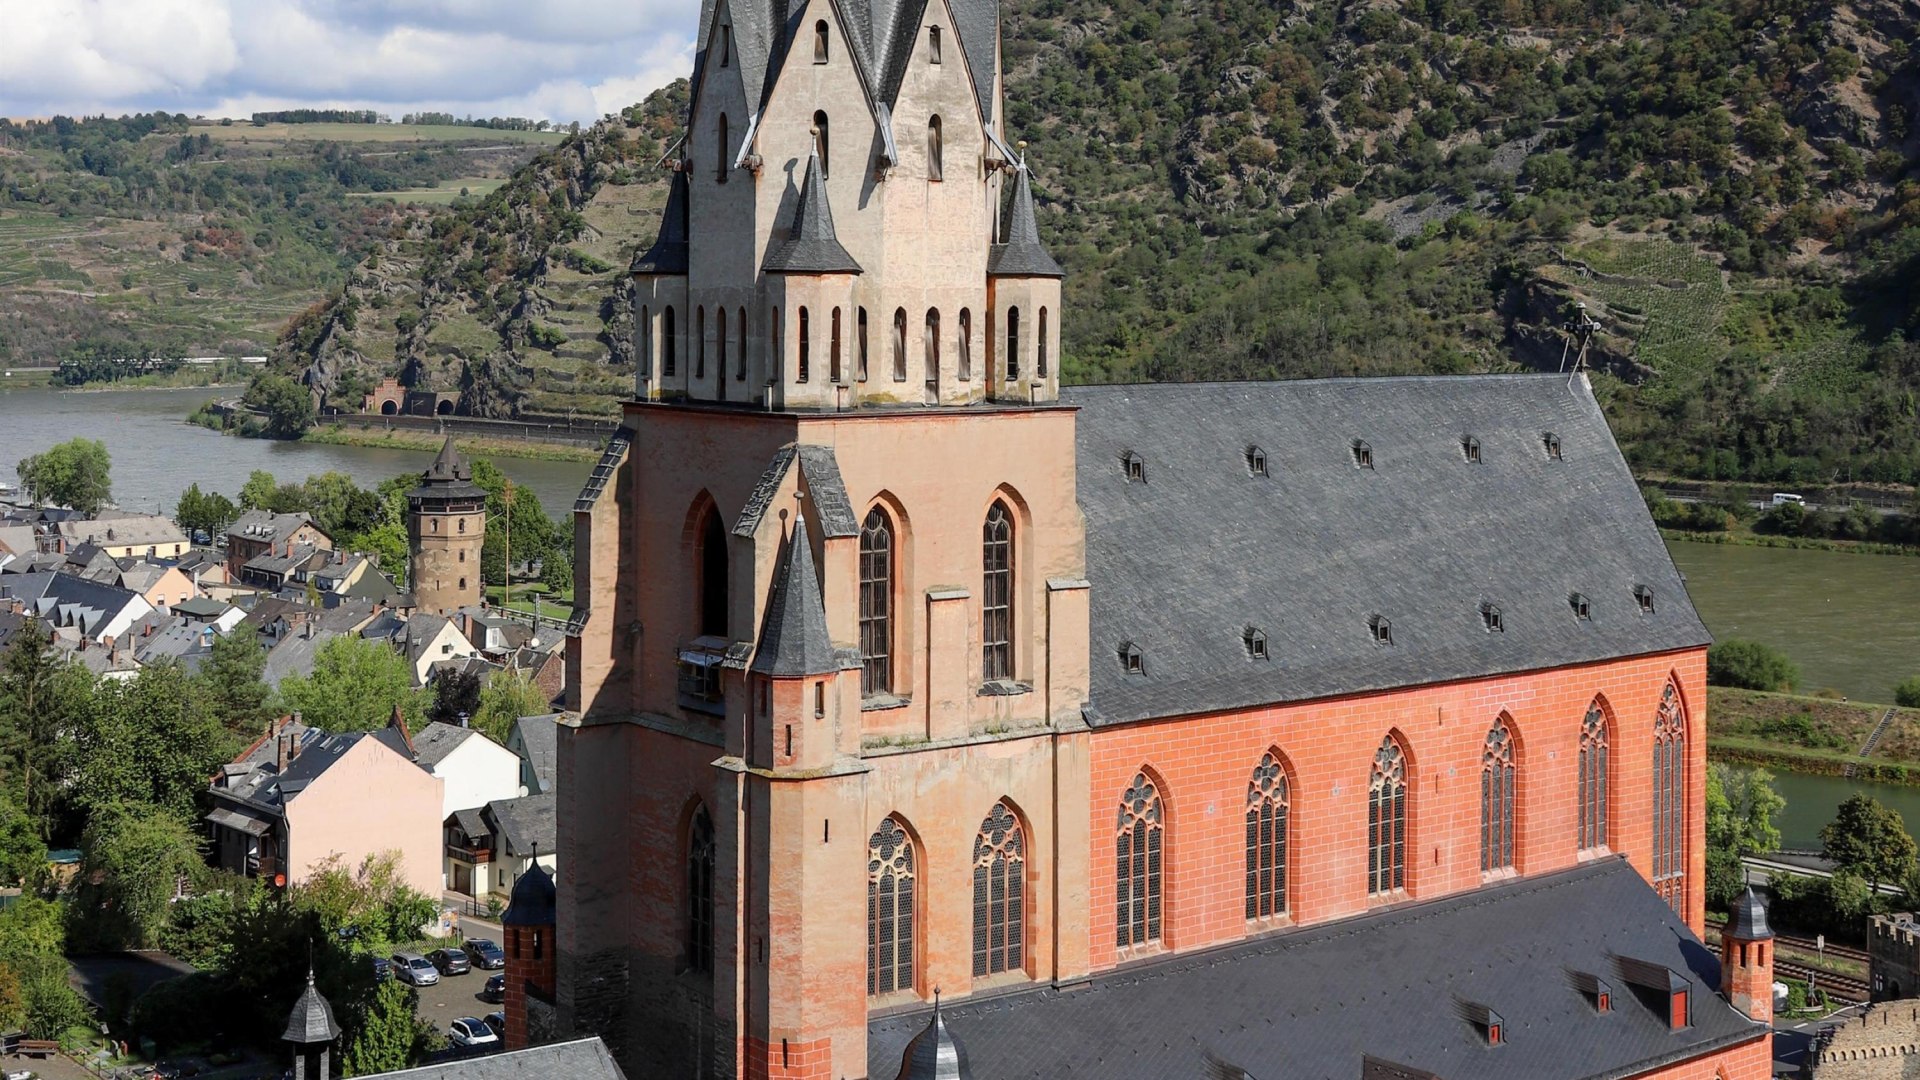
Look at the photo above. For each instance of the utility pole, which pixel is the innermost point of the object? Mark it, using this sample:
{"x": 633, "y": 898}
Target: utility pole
{"x": 508, "y": 602}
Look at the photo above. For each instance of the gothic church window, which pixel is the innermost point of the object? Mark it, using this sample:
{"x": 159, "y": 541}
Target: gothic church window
{"x": 876, "y": 603}
{"x": 700, "y": 864}
{"x": 713, "y": 575}
{"x": 1267, "y": 840}
{"x": 670, "y": 345}
{"x": 806, "y": 347}
{"x": 726, "y": 45}
{"x": 930, "y": 346}
{"x": 646, "y": 341}
{"x": 999, "y": 894}
{"x": 1387, "y": 821}
{"x": 1013, "y": 344}
{"x": 936, "y": 166}
{"x": 900, "y": 345}
{"x": 740, "y": 362}
{"x": 1040, "y": 346}
{"x": 1593, "y": 779}
{"x": 965, "y": 343}
{"x": 820, "y": 42}
{"x": 861, "y": 345}
{"x": 1138, "y": 846}
{"x": 890, "y": 900}
{"x": 700, "y": 342}
{"x": 996, "y": 595}
{"x": 820, "y": 143}
{"x": 724, "y": 155}
{"x": 1496, "y": 799}
{"x": 720, "y": 344}
{"x": 1670, "y": 800}
{"x": 833, "y": 353}
{"x": 933, "y": 45}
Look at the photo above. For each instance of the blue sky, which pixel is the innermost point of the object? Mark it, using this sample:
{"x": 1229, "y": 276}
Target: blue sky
{"x": 560, "y": 60}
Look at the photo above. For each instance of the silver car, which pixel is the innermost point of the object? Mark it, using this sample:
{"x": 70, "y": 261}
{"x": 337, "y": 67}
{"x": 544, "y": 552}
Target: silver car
{"x": 414, "y": 968}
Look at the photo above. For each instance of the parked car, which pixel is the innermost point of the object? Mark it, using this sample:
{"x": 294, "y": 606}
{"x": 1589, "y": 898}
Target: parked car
{"x": 472, "y": 1034}
{"x": 449, "y": 961}
{"x": 382, "y": 969}
{"x": 498, "y": 1022}
{"x": 485, "y": 954}
{"x": 415, "y": 969}
{"x": 495, "y": 991}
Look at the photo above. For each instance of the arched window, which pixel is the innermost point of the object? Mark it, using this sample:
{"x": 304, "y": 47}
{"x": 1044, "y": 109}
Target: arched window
{"x": 1138, "y": 843}
{"x": 776, "y": 357}
{"x": 713, "y": 575}
{"x": 931, "y": 346}
{"x": 806, "y": 347}
{"x": 1013, "y": 344}
{"x": 723, "y": 156}
{"x": 996, "y": 594}
{"x": 463, "y": 524}
{"x": 999, "y": 894}
{"x": 1593, "y": 778}
{"x": 936, "y": 167}
{"x": 646, "y": 341}
{"x": 720, "y": 345}
{"x": 965, "y": 372}
{"x": 890, "y": 880}
{"x": 933, "y": 44}
{"x": 1387, "y": 820}
{"x": 1496, "y": 799}
{"x": 820, "y": 141}
{"x": 1670, "y": 800}
{"x": 700, "y": 892}
{"x": 669, "y": 344}
{"x": 861, "y": 345}
{"x": 740, "y": 361}
{"x": 700, "y": 342}
{"x": 726, "y": 45}
{"x": 900, "y": 345}
{"x": 833, "y": 355}
{"x": 1040, "y": 346}
{"x": 1267, "y": 840}
{"x": 876, "y": 603}
{"x": 820, "y": 42}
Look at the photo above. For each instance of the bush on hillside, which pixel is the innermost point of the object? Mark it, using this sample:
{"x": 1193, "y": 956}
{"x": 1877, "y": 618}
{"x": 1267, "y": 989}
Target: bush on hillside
{"x": 1907, "y": 694}
{"x": 1750, "y": 665}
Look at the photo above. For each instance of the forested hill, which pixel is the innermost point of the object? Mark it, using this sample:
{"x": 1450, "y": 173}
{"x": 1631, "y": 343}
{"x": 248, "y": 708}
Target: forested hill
{"x": 1251, "y": 189}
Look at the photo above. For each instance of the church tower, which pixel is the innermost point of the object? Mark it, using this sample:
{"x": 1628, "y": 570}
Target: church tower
{"x": 446, "y": 526}
{"x": 831, "y": 570}
{"x": 1746, "y": 958}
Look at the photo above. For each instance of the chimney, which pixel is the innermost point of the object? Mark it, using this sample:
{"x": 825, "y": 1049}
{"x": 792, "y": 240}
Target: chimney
{"x": 280, "y": 751}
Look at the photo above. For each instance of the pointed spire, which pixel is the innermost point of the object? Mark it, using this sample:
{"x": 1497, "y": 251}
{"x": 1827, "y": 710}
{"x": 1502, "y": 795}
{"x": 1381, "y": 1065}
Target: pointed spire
{"x": 811, "y": 246}
{"x": 793, "y": 639}
{"x": 668, "y": 255}
{"x": 311, "y": 1021}
{"x": 532, "y": 902}
{"x": 935, "y": 1054}
{"x": 1748, "y": 919}
{"x": 1019, "y": 253}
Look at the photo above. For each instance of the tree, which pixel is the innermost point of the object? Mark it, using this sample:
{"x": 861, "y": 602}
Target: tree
{"x": 556, "y": 569}
{"x": 1740, "y": 807}
{"x": 197, "y": 512}
{"x": 32, "y": 948}
{"x": 136, "y": 858}
{"x": 456, "y": 696}
{"x": 1907, "y": 694}
{"x": 228, "y": 684}
{"x": 355, "y": 685}
{"x": 509, "y": 696}
{"x": 23, "y": 854}
{"x": 389, "y": 1038}
{"x": 42, "y": 697}
{"x": 1870, "y": 840}
{"x": 76, "y": 473}
{"x": 144, "y": 742}
{"x": 1750, "y": 665}
{"x": 287, "y": 405}
{"x": 258, "y": 491}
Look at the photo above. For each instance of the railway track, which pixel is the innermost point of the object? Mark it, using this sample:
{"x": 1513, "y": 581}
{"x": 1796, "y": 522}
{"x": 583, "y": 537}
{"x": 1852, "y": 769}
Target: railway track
{"x": 1837, "y": 987}
{"x": 1838, "y": 952}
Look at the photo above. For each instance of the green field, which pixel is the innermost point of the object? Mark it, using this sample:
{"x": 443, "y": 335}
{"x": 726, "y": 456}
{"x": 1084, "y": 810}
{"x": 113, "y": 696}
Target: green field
{"x": 443, "y": 195}
{"x": 246, "y": 131}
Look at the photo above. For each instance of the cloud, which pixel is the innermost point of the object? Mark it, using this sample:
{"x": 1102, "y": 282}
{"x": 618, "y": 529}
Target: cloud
{"x": 553, "y": 59}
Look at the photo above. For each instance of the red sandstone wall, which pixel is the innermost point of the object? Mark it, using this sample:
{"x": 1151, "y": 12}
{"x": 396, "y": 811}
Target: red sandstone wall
{"x": 1748, "y": 1061}
{"x": 1203, "y": 764}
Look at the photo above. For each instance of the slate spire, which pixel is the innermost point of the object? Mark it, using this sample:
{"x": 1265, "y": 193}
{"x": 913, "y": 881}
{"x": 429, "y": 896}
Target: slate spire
{"x": 1019, "y": 252}
{"x": 935, "y": 1054}
{"x": 811, "y": 246}
{"x": 311, "y": 1021}
{"x": 668, "y": 255}
{"x": 793, "y": 639}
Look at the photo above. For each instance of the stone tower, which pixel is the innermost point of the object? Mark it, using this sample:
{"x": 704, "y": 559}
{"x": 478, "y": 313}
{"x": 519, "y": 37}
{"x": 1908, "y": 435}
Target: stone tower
{"x": 446, "y": 526}
{"x": 1746, "y": 958}
{"x": 311, "y": 1031}
{"x": 527, "y": 925}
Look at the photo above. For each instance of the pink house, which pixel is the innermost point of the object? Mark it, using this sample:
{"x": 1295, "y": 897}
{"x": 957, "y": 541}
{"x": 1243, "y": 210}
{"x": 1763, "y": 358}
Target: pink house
{"x": 298, "y": 797}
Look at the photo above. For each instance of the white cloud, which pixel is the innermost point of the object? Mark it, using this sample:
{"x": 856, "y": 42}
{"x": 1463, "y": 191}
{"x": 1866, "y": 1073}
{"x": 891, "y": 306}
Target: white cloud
{"x": 553, "y": 59}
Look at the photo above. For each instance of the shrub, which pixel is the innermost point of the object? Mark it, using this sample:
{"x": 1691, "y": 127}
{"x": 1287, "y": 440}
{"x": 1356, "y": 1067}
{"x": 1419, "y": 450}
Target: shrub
{"x": 1750, "y": 665}
{"x": 1907, "y": 694}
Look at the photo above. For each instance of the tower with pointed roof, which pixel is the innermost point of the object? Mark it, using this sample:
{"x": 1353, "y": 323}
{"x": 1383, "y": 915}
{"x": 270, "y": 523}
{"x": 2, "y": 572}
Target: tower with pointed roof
{"x": 446, "y": 527}
{"x": 1746, "y": 958}
{"x": 311, "y": 1031}
{"x": 532, "y": 958}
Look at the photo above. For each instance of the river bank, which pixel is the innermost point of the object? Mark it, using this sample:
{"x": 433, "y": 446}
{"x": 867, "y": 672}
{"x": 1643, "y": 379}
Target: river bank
{"x": 1791, "y": 543}
{"x": 1813, "y": 735}
{"x": 472, "y": 446}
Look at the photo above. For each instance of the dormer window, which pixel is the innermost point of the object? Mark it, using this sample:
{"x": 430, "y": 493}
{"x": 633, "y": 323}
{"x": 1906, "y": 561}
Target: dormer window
{"x": 1362, "y": 454}
{"x": 1136, "y": 467}
{"x": 1490, "y": 615}
{"x": 820, "y": 42}
{"x": 1644, "y": 597}
{"x": 1382, "y": 630}
{"x": 1552, "y": 443}
{"x": 1582, "y": 607}
{"x": 933, "y": 44}
{"x": 1470, "y": 449}
{"x": 1132, "y": 660}
{"x": 1256, "y": 461}
{"x": 1256, "y": 643}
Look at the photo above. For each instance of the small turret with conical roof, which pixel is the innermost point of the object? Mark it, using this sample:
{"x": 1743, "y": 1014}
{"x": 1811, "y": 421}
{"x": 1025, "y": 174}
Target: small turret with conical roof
{"x": 935, "y": 1054}
{"x": 446, "y": 528}
{"x": 811, "y": 246}
{"x": 1023, "y": 289}
{"x": 1746, "y": 958}
{"x": 532, "y": 960}
{"x": 311, "y": 1031}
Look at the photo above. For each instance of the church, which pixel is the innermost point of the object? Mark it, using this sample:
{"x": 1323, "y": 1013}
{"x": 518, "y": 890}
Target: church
{"x": 931, "y": 718}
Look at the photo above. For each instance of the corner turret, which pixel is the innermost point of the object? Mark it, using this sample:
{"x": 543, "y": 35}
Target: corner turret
{"x": 1023, "y": 292}
{"x": 1746, "y": 958}
{"x": 311, "y": 1031}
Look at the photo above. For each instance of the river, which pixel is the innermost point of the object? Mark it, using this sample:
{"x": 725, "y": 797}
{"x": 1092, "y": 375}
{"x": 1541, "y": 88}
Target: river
{"x": 156, "y": 454}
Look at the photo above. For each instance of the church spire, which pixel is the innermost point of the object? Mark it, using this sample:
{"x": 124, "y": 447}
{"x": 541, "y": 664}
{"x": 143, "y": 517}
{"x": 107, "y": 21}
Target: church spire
{"x": 811, "y": 246}
{"x": 1019, "y": 252}
{"x": 668, "y": 255}
{"x": 794, "y": 639}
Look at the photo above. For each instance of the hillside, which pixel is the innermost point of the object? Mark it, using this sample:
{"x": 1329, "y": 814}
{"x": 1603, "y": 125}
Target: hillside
{"x": 1242, "y": 189}
{"x": 157, "y": 235}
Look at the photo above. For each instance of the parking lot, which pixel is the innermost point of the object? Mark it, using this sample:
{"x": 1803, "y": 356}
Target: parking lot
{"x": 455, "y": 996}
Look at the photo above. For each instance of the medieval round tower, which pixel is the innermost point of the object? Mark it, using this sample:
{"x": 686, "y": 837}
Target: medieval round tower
{"x": 446, "y": 526}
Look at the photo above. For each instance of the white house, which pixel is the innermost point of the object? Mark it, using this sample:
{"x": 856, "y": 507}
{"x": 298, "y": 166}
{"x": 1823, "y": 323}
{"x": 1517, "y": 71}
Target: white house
{"x": 473, "y": 769}
{"x": 427, "y": 640}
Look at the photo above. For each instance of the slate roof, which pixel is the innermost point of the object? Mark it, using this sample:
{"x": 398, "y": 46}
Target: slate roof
{"x": 831, "y": 510}
{"x": 66, "y": 600}
{"x": 1019, "y": 253}
{"x": 1309, "y": 1004}
{"x": 449, "y": 477}
{"x": 266, "y": 526}
{"x": 526, "y": 823}
{"x": 811, "y": 246}
{"x": 122, "y": 530}
{"x": 670, "y": 249}
{"x": 581, "y": 1059}
{"x": 793, "y": 637}
{"x": 437, "y": 740}
{"x": 311, "y": 1020}
{"x": 539, "y": 740}
{"x": 201, "y": 607}
{"x": 1183, "y": 563}
{"x": 532, "y": 900}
